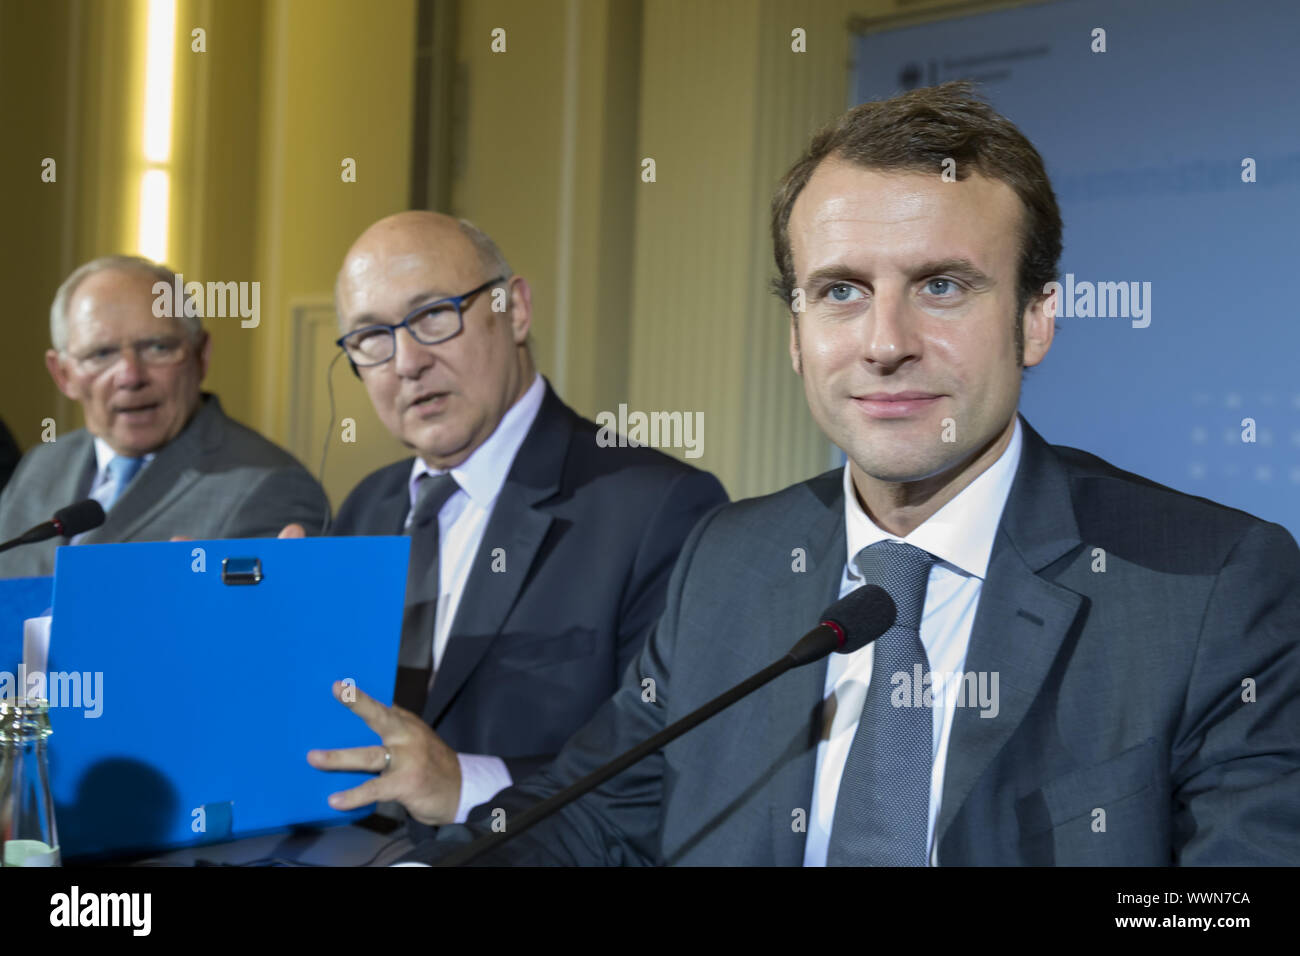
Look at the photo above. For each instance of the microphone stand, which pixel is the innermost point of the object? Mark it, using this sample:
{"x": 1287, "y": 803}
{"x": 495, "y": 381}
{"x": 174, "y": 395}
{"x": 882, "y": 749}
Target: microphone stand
{"x": 872, "y": 612}
{"x": 545, "y": 808}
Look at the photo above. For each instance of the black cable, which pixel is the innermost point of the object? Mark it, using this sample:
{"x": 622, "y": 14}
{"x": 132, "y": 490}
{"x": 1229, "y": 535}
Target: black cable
{"x": 325, "y": 447}
{"x": 283, "y": 861}
{"x": 380, "y": 852}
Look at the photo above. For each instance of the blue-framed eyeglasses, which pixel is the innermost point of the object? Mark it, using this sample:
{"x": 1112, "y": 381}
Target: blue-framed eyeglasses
{"x": 430, "y": 324}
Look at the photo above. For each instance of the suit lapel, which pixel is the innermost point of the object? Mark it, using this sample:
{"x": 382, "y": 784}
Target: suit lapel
{"x": 1021, "y": 621}
{"x": 176, "y": 466}
{"x": 794, "y": 717}
{"x": 386, "y": 512}
{"x": 74, "y": 482}
{"x": 517, "y": 526}
{"x": 390, "y": 513}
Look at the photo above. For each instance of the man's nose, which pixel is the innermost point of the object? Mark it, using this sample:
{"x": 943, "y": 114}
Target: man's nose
{"x": 410, "y": 358}
{"x": 131, "y": 370}
{"x": 889, "y": 333}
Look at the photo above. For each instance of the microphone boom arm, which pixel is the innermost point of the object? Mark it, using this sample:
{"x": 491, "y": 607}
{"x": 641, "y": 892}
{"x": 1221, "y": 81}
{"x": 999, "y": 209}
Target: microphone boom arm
{"x": 545, "y": 808}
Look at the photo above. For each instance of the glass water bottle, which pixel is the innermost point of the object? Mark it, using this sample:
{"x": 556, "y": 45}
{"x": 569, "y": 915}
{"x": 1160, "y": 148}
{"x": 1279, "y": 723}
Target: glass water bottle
{"x": 27, "y": 833}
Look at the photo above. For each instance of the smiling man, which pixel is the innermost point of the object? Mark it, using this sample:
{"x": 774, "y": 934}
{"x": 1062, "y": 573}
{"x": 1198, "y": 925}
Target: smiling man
{"x": 539, "y": 556}
{"x": 1116, "y": 621}
{"x": 898, "y": 266}
{"x": 156, "y": 452}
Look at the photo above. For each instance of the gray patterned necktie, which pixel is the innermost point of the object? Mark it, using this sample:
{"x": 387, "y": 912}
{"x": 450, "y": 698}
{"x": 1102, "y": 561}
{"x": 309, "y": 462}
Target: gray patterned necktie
{"x": 882, "y": 811}
{"x": 415, "y": 657}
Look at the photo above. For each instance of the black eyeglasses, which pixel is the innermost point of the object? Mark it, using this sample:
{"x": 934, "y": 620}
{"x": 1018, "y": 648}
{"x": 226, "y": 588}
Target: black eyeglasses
{"x": 430, "y": 324}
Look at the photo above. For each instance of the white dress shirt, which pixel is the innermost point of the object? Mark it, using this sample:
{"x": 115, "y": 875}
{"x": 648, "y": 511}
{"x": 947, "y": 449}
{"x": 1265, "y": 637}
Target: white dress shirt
{"x": 960, "y": 535}
{"x": 461, "y": 523}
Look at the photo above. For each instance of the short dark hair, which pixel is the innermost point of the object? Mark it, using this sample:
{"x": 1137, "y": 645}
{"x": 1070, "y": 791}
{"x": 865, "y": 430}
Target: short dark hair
{"x": 916, "y": 132}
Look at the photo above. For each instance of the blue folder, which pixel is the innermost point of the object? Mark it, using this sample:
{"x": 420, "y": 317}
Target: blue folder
{"x": 210, "y": 664}
{"x": 20, "y": 598}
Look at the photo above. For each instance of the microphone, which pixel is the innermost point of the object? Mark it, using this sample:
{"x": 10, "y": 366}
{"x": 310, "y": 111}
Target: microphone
{"x": 851, "y": 623}
{"x": 848, "y": 625}
{"x": 69, "y": 521}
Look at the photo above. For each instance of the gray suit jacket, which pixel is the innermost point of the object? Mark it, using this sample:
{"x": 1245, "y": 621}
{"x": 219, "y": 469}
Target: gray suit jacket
{"x": 216, "y": 479}
{"x": 1120, "y": 690}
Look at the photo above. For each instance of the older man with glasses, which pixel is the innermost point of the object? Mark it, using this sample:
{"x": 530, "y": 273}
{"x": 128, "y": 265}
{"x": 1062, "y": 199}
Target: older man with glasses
{"x": 539, "y": 555}
{"x": 156, "y": 452}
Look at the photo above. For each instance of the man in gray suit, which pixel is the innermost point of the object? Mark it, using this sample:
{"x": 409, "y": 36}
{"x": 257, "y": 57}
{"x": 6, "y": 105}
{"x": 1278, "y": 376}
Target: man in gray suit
{"x": 156, "y": 452}
{"x": 1109, "y": 669}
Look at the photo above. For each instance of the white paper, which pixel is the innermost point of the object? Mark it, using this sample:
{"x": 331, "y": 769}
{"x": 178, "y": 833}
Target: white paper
{"x": 36, "y": 643}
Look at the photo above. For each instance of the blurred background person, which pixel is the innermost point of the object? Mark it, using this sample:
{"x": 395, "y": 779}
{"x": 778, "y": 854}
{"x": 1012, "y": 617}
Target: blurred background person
{"x": 158, "y": 454}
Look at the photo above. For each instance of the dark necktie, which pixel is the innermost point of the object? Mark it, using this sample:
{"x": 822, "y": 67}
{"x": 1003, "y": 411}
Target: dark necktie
{"x": 415, "y": 658}
{"x": 883, "y": 808}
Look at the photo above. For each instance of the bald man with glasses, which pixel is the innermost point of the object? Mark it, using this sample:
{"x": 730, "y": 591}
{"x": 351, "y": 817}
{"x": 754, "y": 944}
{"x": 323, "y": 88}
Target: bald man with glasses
{"x": 157, "y": 452}
{"x": 539, "y": 555}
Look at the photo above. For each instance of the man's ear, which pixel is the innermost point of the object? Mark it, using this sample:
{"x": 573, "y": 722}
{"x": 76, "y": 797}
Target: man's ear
{"x": 205, "y": 354}
{"x": 64, "y": 382}
{"x": 521, "y": 309}
{"x": 795, "y": 358}
{"x": 1039, "y": 323}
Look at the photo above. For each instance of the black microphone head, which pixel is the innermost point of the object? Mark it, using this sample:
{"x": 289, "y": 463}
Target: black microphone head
{"x": 861, "y": 616}
{"x": 79, "y": 517}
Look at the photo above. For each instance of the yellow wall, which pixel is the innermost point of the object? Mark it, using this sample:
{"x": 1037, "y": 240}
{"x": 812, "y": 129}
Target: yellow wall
{"x": 336, "y": 84}
{"x": 217, "y": 171}
{"x": 30, "y": 41}
{"x": 547, "y": 166}
{"x": 63, "y": 75}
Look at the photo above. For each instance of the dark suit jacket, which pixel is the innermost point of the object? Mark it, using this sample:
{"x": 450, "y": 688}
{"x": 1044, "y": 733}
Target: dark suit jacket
{"x": 590, "y": 535}
{"x": 1120, "y": 690}
{"x": 216, "y": 479}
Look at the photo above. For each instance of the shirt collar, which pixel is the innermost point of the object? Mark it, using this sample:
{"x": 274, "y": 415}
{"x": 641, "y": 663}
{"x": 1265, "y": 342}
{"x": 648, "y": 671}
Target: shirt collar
{"x": 961, "y": 532}
{"x": 482, "y": 474}
{"x": 104, "y": 454}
